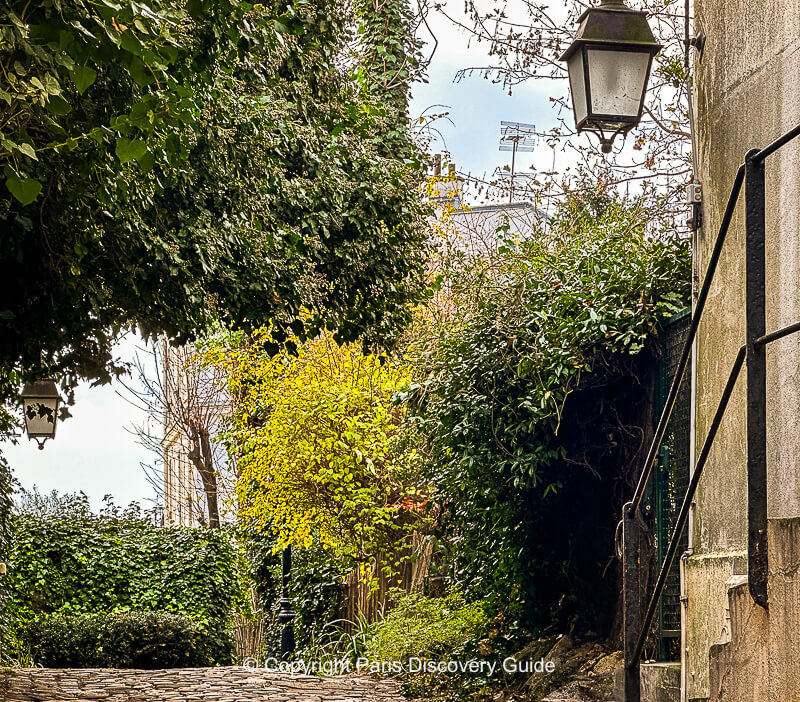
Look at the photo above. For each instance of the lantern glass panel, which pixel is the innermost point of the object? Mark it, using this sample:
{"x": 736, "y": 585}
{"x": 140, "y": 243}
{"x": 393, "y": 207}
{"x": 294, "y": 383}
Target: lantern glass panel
{"x": 40, "y": 417}
{"x": 617, "y": 80}
{"x": 577, "y": 83}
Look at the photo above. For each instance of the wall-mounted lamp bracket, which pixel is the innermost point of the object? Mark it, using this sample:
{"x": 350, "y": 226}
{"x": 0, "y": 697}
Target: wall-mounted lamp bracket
{"x": 694, "y": 198}
{"x": 698, "y": 42}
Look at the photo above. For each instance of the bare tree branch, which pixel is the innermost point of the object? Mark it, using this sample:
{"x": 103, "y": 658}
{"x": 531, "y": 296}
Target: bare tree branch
{"x": 186, "y": 404}
{"x": 525, "y": 39}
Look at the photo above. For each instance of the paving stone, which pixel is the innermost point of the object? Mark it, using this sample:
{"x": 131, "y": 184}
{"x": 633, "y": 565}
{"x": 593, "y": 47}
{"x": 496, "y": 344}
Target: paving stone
{"x": 232, "y": 684}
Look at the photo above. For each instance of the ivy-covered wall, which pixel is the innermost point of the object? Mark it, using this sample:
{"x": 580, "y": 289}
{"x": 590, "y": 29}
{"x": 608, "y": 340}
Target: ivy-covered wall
{"x": 79, "y": 563}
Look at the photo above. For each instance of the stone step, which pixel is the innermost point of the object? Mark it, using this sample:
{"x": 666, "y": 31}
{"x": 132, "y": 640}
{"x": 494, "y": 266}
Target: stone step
{"x": 661, "y": 682}
{"x": 740, "y": 663}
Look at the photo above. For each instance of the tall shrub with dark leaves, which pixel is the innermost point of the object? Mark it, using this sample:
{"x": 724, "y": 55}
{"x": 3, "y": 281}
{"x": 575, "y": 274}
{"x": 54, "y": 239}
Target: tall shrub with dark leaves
{"x": 534, "y": 398}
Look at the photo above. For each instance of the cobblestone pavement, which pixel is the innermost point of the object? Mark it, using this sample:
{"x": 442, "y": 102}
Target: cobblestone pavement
{"x": 187, "y": 685}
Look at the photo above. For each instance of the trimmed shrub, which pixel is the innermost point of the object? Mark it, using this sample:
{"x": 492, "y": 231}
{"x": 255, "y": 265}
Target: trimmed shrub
{"x": 79, "y": 563}
{"x": 145, "y": 640}
{"x": 72, "y": 571}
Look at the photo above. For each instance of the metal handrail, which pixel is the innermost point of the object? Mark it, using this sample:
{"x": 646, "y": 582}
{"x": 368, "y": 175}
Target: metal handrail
{"x": 697, "y": 314}
{"x": 683, "y": 515}
{"x": 686, "y": 352}
{"x": 754, "y": 160}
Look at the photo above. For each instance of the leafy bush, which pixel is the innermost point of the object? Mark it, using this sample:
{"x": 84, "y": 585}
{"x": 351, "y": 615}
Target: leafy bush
{"x": 72, "y": 562}
{"x": 534, "y": 399}
{"x": 147, "y": 640}
{"x": 319, "y": 443}
{"x": 425, "y": 626}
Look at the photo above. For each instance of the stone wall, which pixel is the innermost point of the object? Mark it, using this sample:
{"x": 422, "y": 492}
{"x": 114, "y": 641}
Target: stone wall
{"x": 748, "y": 93}
{"x": 187, "y": 685}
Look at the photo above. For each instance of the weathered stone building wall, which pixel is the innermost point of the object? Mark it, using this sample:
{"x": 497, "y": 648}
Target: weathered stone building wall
{"x": 747, "y": 94}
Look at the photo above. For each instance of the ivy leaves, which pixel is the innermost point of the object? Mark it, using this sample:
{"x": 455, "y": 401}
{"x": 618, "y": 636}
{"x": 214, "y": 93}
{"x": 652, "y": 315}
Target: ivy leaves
{"x": 74, "y": 562}
{"x": 173, "y": 166}
{"x": 55, "y": 52}
{"x": 130, "y": 149}
{"x": 83, "y": 77}
{"x": 26, "y": 190}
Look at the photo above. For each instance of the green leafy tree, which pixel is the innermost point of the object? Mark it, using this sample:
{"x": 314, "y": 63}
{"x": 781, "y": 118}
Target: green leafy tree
{"x": 320, "y": 447}
{"x": 168, "y": 165}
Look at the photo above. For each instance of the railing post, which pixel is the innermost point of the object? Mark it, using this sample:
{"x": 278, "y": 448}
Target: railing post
{"x": 755, "y": 222}
{"x": 631, "y": 595}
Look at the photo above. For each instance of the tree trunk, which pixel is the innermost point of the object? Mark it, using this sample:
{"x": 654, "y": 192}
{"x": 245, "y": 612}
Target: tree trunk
{"x": 202, "y": 459}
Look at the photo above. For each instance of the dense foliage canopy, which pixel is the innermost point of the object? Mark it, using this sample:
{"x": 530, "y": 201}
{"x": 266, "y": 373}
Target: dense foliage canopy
{"x": 499, "y": 389}
{"x": 169, "y": 164}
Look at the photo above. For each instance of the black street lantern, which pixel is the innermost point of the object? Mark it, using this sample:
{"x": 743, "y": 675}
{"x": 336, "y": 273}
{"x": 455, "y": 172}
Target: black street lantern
{"x": 40, "y": 406}
{"x": 609, "y": 67}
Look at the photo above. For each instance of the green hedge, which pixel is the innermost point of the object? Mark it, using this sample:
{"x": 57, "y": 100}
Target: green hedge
{"x": 80, "y": 563}
{"x": 68, "y": 561}
{"x": 146, "y": 640}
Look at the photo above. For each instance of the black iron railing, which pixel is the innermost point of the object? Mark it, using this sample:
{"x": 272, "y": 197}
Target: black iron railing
{"x": 637, "y": 625}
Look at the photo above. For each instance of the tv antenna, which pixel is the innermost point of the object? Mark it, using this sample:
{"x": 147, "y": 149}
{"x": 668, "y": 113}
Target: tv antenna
{"x": 516, "y": 136}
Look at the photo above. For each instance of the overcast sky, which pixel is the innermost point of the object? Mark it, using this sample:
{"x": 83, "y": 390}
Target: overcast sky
{"x": 476, "y": 105}
{"x": 96, "y": 453}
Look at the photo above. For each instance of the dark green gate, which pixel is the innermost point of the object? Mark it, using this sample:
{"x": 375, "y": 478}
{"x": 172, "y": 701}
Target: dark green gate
{"x": 671, "y": 480}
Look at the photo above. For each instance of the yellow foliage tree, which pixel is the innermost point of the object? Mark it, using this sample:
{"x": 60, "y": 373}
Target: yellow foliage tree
{"x": 321, "y": 446}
